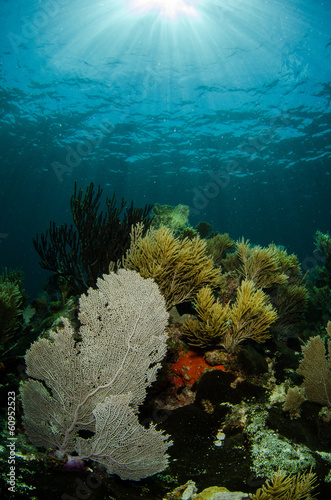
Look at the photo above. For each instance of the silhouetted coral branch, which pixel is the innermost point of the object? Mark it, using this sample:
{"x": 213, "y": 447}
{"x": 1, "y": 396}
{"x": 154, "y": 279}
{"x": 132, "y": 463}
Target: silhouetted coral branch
{"x": 80, "y": 253}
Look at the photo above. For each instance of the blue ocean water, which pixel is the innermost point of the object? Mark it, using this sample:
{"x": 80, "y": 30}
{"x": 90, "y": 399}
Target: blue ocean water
{"x": 222, "y": 105}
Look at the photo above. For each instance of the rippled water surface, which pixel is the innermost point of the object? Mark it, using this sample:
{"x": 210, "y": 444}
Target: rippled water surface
{"x": 222, "y": 105}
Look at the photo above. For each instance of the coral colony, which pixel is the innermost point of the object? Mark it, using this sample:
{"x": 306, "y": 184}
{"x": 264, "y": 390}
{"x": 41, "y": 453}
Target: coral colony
{"x": 165, "y": 350}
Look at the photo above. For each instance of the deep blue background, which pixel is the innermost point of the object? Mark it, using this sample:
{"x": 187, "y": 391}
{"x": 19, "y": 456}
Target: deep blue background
{"x": 157, "y": 108}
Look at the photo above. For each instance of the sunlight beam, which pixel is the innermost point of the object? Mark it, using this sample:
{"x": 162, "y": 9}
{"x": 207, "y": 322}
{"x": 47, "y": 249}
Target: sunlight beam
{"x": 170, "y": 9}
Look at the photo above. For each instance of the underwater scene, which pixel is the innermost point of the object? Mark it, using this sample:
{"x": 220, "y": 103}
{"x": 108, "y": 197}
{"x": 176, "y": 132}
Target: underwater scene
{"x": 165, "y": 249}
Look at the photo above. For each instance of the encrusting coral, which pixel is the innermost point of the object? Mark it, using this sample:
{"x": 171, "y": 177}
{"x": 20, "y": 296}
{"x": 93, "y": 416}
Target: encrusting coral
{"x": 174, "y": 218}
{"x": 179, "y": 267}
{"x": 249, "y": 317}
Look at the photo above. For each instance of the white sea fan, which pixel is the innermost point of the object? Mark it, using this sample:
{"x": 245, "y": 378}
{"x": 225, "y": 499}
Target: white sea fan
{"x": 97, "y": 384}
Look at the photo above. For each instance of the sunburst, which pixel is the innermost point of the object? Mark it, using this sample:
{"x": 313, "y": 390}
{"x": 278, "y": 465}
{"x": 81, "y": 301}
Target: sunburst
{"x": 171, "y": 9}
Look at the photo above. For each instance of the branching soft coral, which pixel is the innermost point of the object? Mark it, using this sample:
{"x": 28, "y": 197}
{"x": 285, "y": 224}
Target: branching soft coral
{"x": 78, "y": 254}
{"x": 288, "y": 264}
{"x": 285, "y": 487}
{"x": 323, "y": 243}
{"x": 219, "y": 245}
{"x": 290, "y": 302}
{"x": 319, "y": 285}
{"x": 179, "y": 267}
{"x": 251, "y": 316}
{"x": 248, "y": 318}
{"x": 213, "y": 322}
{"x": 261, "y": 265}
{"x": 290, "y": 298}
{"x": 10, "y": 310}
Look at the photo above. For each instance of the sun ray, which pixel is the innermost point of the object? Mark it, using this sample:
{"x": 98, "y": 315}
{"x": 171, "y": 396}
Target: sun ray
{"x": 171, "y": 9}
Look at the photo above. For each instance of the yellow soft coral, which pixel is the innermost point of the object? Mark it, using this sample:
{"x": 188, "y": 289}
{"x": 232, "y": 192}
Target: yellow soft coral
{"x": 219, "y": 245}
{"x": 179, "y": 267}
{"x": 285, "y": 487}
{"x": 248, "y": 318}
{"x": 251, "y": 316}
{"x": 212, "y": 325}
{"x": 261, "y": 265}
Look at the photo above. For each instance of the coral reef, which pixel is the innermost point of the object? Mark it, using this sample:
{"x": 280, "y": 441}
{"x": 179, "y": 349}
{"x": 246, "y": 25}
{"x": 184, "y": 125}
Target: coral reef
{"x": 251, "y": 316}
{"x": 229, "y": 388}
